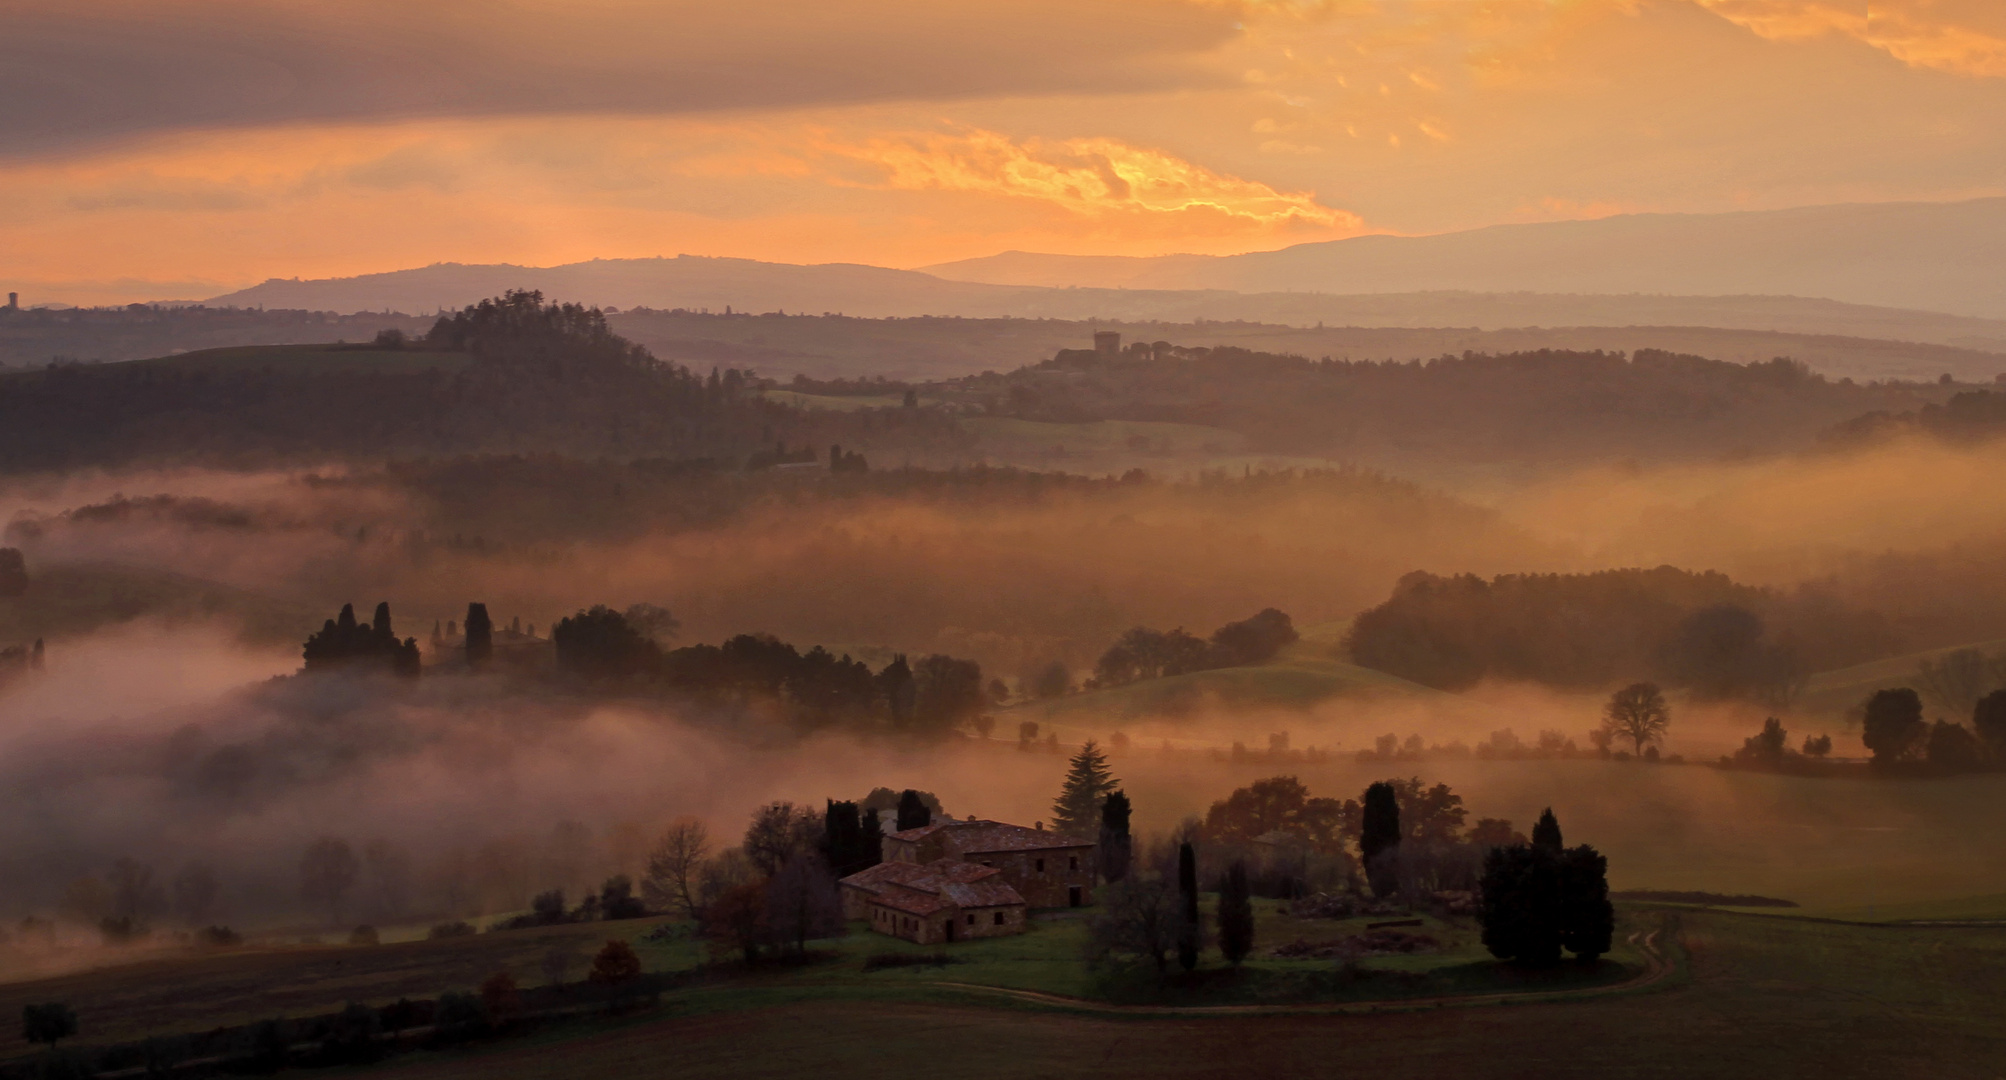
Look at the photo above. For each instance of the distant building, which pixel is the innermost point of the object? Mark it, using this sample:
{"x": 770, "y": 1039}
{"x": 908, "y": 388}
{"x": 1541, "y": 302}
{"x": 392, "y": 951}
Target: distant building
{"x": 1107, "y": 344}
{"x": 13, "y": 301}
{"x": 1047, "y": 869}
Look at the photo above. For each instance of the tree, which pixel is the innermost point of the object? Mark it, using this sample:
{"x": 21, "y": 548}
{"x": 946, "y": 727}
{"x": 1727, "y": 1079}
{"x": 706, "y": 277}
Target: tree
{"x": 1187, "y": 900}
{"x": 1817, "y": 746}
{"x": 984, "y": 724}
{"x": 1281, "y": 804}
{"x": 1053, "y": 681}
{"x": 1587, "y": 919}
{"x": 48, "y": 1022}
{"x": 1546, "y": 831}
{"x": 1077, "y": 810}
{"x": 1253, "y": 640}
{"x": 480, "y": 636}
{"x": 1236, "y": 914}
{"x": 1494, "y": 832}
{"x": 736, "y": 918}
{"x": 780, "y": 831}
{"x": 615, "y": 965}
{"x": 599, "y": 643}
{"x": 1893, "y": 726}
{"x": 948, "y": 691}
{"x": 1768, "y": 747}
{"x": 327, "y": 871}
{"x": 803, "y": 902}
{"x": 1953, "y": 748}
{"x": 847, "y": 845}
{"x": 652, "y": 621}
{"x": 1027, "y": 733}
{"x": 1521, "y": 904}
{"x": 1379, "y": 837}
{"x": 343, "y": 643}
{"x": 617, "y": 899}
{"x": 913, "y": 811}
{"x": 1988, "y": 718}
{"x": 896, "y": 684}
{"x": 501, "y": 999}
{"x": 1138, "y": 917}
{"x": 1116, "y": 846}
{"x": 1637, "y": 713}
{"x": 1956, "y": 680}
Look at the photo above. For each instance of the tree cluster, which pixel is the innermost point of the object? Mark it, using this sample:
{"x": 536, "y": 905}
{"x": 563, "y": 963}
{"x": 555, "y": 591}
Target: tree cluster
{"x": 1542, "y": 897}
{"x": 1143, "y": 653}
{"x": 1901, "y": 740}
{"x": 343, "y": 643}
{"x": 1698, "y": 631}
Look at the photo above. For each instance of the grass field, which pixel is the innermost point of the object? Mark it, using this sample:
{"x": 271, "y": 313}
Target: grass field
{"x": 1756, "y": 997}
{"x": 1841, "y": 690}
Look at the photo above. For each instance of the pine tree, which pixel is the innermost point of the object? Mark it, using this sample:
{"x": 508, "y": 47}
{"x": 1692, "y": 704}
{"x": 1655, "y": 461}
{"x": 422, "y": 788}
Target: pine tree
{"x": 1546, "y": 833}
{"x": 1077, "y": 811}
{"x": 1379, "y": 837}
{"x": 1236, "y": 914}
{"x": 480, "y": 636}
{"x": 1115, "y": 842}
{"x": 1187, "y": 906}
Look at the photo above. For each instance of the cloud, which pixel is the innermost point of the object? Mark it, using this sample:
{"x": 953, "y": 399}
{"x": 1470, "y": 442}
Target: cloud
{"x": 1920, "y": 33}
{"x": 1092, "y": 177}
{"x": 91, "y": 70}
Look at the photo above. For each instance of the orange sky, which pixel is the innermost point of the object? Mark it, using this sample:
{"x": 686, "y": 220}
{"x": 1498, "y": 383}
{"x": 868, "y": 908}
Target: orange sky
{"x": 181, "y": 147}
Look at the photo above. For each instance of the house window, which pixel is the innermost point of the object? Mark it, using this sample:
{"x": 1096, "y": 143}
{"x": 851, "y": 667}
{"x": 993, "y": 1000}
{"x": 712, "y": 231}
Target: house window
{"x": 1039, "y": 866}
{"x": 1075, "y": 861}
{"x": 971, "y": 920}
{"x": 999, "y": 918}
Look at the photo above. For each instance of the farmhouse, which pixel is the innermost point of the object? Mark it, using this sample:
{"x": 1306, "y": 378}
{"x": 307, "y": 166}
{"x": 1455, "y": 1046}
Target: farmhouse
{"x": 1046, "y": 869}
{"x": 945, "y": 900}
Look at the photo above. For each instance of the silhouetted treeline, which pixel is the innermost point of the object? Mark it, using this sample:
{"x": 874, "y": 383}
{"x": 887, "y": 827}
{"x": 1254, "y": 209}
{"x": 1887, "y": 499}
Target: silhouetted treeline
{"x": 820, "y": 688}
{"x": 1143, "y": 653}
{"x": 1541, "y": 405}
{"x": 35, "y": 336}
{"x": 344, "y": 643}
{"x": 1968, "y": 416}
{"x": 1695, "y": 630}
{"x": 507, "y": 375}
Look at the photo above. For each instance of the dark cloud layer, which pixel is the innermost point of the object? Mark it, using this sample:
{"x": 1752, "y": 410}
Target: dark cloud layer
{"x": 81, "y": 72}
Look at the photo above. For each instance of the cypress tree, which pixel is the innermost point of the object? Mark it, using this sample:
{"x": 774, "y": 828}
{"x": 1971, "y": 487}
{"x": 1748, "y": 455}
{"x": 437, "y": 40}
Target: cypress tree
{"x": 1587, "y": 919}
{"x": 1077, "y": 810}
{"x": 1187, "y": 897}
{"x": 842, "y": 838}
{"x": 913, "y": 813}
{"x": 480, "y": 636}
{"x": 1115, "y": 842}
{"x": 1236, "y": 914}
{"x": 1521, "y": 904}
{"x": 381, "y": 623}
{"x": 1379, "y": 837}
{"x": 870, "y": 841}
{"x": 1546, "y": 832}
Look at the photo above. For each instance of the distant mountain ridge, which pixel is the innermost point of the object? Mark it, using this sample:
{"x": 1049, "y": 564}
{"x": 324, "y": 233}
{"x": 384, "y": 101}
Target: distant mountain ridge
{"x": 695, "y": 283}
{"x": 1942, "y": 257}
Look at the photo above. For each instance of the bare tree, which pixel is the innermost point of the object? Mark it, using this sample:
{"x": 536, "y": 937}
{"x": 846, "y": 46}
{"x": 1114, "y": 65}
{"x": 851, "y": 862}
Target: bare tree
{"x": 1139, "y": 918}
{"x": 327, "y": 872}
{"x": 780, "y": 831}
{"x": 1638, "y": 713}
{"x": 673, "y": 867}
{"x": 719, "y": 875}
{"x": 803, "y": 902}
{"x": 1957, "y": 680}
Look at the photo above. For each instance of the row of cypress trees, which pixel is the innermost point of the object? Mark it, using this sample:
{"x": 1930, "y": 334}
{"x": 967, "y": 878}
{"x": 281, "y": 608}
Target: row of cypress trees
{"x": 1543, "y": 897}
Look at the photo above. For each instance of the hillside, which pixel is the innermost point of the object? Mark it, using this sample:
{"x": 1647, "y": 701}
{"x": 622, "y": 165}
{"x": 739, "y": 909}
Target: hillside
{"x": 1932, "y": 256}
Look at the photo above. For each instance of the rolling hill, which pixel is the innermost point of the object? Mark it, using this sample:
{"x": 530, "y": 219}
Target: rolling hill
{"x": 1932, "y": 256}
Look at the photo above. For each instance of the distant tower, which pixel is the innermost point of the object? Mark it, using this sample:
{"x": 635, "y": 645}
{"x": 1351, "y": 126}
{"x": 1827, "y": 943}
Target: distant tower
{"x": 13, "y": 301}
{"x": 1107, "y": 343}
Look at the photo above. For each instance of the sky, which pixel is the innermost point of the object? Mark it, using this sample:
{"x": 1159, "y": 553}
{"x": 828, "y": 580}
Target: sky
{"x": 154, "y": 149}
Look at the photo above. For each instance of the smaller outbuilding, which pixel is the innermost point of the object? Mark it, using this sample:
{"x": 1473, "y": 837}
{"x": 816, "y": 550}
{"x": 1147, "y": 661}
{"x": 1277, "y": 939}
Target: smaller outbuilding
{"x": 932, "y": 903}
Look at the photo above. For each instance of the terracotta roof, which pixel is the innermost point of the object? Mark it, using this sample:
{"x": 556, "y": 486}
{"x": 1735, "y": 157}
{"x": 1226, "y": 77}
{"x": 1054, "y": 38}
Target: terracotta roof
{"x": 923, "y": 890}
{"x": 983, "y": 837}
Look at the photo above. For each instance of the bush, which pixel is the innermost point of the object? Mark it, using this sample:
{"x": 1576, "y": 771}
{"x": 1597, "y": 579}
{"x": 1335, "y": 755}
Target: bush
{"x": 48, "y": 1022}
{"x": 218, "y": 937}
{"x": 456, "y": 928}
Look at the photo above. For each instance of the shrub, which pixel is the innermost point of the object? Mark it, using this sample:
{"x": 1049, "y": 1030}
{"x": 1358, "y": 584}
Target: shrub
{"x": 456, "y": 928}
